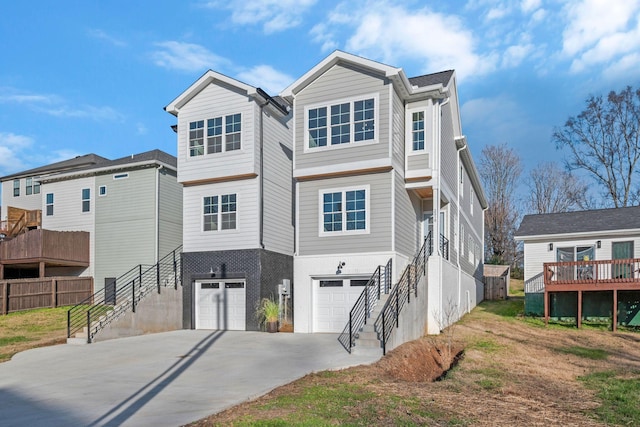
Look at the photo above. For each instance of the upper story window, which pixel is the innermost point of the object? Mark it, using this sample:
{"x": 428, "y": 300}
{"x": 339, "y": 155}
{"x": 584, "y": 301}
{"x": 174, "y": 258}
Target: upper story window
{"x": 344, "y": 211}
{"x": 417, "y": 130}
{"x": 16, "y": 187}
{"x": 102, "y": 190}
{"x": 32, "y": 187}
{"x": 219, "y": 212}
{"x": 341, "y": 123}
{"x": 49, "y": 204}
{"x": 86, "y": 200}
{"x": 223, "y": 134}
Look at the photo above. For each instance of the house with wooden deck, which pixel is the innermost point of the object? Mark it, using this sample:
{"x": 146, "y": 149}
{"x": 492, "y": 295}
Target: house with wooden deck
{"x": 382, "y": 168}
{"x": 234, "y": 161}
{"x": 583, "y": 265}
{"x": 90, "y": 217}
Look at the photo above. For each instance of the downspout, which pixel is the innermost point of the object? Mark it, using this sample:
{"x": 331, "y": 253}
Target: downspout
{"x": 440, "y": 261}
{"x": 261, "y": 182}
{"x": 157, "y": 248}
{"x": 460, "y": 240}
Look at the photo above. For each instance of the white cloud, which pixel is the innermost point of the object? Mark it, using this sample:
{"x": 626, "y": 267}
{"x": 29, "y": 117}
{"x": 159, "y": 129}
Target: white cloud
{"x": 438, "y": 41}
{"x": 529, "y": 6}
{"x": 514, "y": 55}
{"x": 497, "y": 13}
{"x": 102, "y": 35}
{"x": 267, "y": 78}
{"x": 12, "y": 150}
{"x": 274, "y": 15}
{"x": 186, "y": 57}
{"x": 592, "y": 20}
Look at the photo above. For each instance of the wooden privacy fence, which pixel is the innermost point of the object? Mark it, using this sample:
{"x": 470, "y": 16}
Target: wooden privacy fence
{"x": 26, "y": 294}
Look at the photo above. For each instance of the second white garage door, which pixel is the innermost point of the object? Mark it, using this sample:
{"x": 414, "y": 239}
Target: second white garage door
{"x": 333, "y": 300}
{"x": 221, "y": 305}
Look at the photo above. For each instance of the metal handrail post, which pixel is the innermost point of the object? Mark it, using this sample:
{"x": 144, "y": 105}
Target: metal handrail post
{"x": 158, "y": 275}
{"x": 133, "y": 295}
{"x": 88, "y": 326}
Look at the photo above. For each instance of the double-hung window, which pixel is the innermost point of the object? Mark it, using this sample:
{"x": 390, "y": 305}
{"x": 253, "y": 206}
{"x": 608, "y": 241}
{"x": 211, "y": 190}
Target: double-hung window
{"x": 344, "y": 211}
{"x": 219, "y": 212}
{"x": 223, "y": 134}
{"x": 417, "y": 130}
{"x": 49, "y": 204}
{"x": 16, "y": 187}
{"x": 344, "y": 122}
{"x": 86, "y": 200}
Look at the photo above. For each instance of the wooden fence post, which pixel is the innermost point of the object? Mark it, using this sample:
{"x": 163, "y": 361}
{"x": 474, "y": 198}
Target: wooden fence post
{"x": 4, "y": 298}
{"x": 54, "y": 293}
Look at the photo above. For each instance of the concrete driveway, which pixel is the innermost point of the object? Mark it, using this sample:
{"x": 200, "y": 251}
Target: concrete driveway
{"x": 166, "y": 379}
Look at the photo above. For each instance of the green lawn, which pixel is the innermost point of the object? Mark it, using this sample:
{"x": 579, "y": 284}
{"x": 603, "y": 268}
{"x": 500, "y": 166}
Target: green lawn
{"x": 24, "y": 330}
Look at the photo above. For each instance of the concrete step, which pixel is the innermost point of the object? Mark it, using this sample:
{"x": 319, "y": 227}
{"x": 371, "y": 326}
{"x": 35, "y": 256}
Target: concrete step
{"x": 367, "y": 343}
{"x": 367, "y": 335}
{"x": 77, "y": 341}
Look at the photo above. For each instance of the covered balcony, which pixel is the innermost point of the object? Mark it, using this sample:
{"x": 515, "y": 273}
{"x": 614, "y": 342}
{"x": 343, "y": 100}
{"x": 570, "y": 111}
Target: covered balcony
{"x": 591, "y": 276}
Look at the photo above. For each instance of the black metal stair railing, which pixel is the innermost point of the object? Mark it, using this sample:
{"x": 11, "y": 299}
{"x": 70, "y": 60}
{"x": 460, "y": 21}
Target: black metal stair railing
{"x": 389, "y": 317}
{"x": 124, "y": 294}
{"x": 378, "y": 283}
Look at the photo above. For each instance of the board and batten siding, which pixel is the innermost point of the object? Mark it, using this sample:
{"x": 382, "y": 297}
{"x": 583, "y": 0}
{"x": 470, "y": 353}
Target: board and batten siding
{"x": 67, "y": 211}
{"x": 169, "y": 212}
{"x": 23, "y": 201}
{"x": 216, "y": 100}
{"x": 278, "y": 189}
{"x": 245, "y": 236}
{"x": 408, "y": 217}
{"x": 342, "y": 83}
{"x": 379, "y": 216}
{"x": 125, "y": 223}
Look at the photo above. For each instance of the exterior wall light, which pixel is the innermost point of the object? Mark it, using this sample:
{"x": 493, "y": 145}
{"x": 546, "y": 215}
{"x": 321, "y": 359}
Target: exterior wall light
{"x": 598, "y": 244}
{"x": 550, "y": 246}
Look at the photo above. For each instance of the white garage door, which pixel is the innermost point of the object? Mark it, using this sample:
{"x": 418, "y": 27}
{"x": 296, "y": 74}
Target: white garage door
{"x": 221, "y": 305}
{"x": 333, "y": 300}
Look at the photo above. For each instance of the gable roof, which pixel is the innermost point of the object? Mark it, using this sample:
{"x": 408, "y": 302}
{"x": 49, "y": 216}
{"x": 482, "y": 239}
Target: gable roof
{"x": 580, "y": 222}
{"x": 87, "y": 160}
{"x": 422, "y": 85}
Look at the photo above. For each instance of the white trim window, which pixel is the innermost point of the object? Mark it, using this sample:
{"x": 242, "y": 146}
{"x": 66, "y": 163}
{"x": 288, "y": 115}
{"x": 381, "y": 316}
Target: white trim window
{"x": 86, "y": 200}
{"x": 32, "y": 187}
{"x": 49, "y": 204}
{"x": 16, "y": 188}
{"x": 102, "y": 190}
{"x": 417, "y": 130}
{"x": 342, "y": 122}
{"x": 344, "y": 211}
{"x": 219, "y": 212}
{"x": 224, "y": 134}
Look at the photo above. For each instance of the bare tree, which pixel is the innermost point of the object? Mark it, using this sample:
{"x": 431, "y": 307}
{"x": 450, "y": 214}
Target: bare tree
{"x": 604, "y": 141}
{"x": 500, "y": 169}
{"x": 552, "y": 189}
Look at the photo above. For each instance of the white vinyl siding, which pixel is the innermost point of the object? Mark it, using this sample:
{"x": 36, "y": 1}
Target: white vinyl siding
{"x": 169, "y": 213}
{"x": 218, "y": 101}
{"x": 28, "y": 202}
{"x": 339, "y": 85}
{"x": 246, "y": 233}
{"x": 408, "y": 209}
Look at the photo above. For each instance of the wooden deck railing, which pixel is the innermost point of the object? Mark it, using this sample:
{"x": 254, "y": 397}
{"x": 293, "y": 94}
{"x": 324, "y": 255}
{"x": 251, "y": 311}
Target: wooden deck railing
{"x": 70, "y": 247}
{"x": 589, "y": 274}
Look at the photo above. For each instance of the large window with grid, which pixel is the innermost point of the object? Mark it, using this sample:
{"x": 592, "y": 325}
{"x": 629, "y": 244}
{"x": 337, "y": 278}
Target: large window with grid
{"x": 417, "y": 130}
{"x": 341, "y": 123}
{"x": 219, "y": 212}
{"x": 223, "y": 134}
{"x": 86, "y": 200}
{"x": 344, "y": 211}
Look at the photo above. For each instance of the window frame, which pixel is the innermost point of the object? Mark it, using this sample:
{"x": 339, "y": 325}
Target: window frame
{"x": 219, "y": 214}
{"x": 49, "y": 204}
{"x": 102, "y": 193}
{"x": 351, "y": 123}
{"x": 343, "y": 210}
{"x": 223, "y": 127}
{"x": 16, "y": 188}
{"x": 86, "y": 201}
{"x": 32, "y": 186}
{"x": 423, "y": 131}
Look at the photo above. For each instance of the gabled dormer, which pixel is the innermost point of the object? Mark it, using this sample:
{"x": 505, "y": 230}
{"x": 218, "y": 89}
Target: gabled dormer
{"x": 219, "y": 128}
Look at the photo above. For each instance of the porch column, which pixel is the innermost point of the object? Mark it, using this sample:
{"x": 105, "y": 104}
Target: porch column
{"x": 579, "y": 319}
{"x": 615, "y": 310}
{"x": 41, "y": 270}
{"x": 546, "y": 307}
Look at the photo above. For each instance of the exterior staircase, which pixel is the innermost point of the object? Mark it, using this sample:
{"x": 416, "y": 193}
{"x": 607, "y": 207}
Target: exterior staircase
{"x": 89, "y": 317}
{"x": 368, "y": 336}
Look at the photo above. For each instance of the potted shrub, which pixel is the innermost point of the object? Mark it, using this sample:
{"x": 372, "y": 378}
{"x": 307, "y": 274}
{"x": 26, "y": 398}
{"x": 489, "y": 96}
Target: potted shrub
{"x": 268, "y": 313}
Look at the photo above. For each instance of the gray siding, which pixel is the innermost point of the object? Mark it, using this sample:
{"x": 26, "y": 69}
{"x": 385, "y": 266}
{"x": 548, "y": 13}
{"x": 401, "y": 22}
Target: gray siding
{"x": 278, "y": 184}
{"x": 379, "y": 216}
{"x": 454, "y": 230}
{"x": 418, "y": 161}
{"x": 448, "y": 152}
{"x": 408, "y": 214}
{"x": 339, "y": 83}
{"x": 125, "y": 224}
{"x": 398, "y": 135}
{"x": 169, "y": 213}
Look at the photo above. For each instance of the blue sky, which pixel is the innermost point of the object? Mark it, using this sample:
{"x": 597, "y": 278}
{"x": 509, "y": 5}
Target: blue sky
{"x": 85, "y": 76}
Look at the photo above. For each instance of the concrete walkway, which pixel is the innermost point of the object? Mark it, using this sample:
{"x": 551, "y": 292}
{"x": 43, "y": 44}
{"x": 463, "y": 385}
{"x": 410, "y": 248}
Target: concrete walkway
{"x": 166, "y": 379}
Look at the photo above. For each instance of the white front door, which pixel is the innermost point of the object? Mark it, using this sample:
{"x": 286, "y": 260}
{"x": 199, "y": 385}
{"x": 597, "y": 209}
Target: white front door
{"x": 333, "y": 300}
{"x": 221, "y": 305}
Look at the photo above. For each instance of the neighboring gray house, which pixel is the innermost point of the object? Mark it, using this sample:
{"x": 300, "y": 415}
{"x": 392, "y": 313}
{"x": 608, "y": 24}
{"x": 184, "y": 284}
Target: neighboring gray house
{"x": 591, "y": 264}
{"x": 131, "y": 208}
{"x": 234, "y": 161}
{"x": 380, "y": 162}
